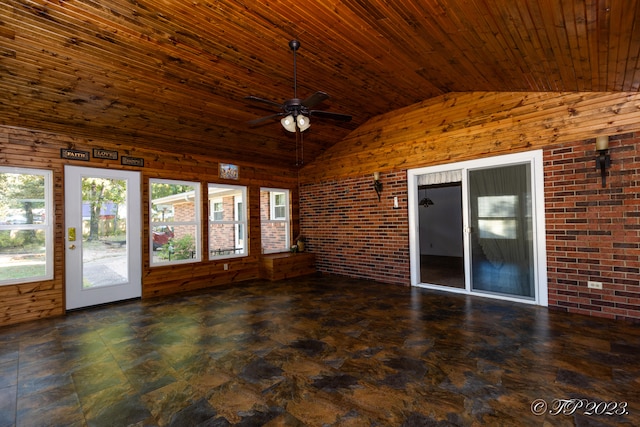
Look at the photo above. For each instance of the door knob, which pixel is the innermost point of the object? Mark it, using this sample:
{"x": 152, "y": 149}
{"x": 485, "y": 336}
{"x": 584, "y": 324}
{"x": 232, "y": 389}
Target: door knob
{"x": 72, "y": 247}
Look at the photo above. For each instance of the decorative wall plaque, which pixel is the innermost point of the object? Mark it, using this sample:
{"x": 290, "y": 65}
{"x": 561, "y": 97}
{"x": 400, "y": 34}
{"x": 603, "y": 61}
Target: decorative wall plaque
{"x": 132, "y": 161}
{"x": 66, "y": 153}
{"x": 228, "y": 171}
{"x": 99, "y": 153}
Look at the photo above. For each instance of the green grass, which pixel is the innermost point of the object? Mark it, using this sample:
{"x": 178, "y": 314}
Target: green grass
{"x": 21, "y": 271}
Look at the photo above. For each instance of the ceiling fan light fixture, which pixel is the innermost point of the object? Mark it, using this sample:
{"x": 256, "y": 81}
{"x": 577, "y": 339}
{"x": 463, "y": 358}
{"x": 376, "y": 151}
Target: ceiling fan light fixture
{"x": 303, "y": 123}
{"x": 289, "y": 123}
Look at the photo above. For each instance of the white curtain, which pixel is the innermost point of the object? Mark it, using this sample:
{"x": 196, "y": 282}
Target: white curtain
{"x": 512, "y": 252}
{"x": 444, "y": 177}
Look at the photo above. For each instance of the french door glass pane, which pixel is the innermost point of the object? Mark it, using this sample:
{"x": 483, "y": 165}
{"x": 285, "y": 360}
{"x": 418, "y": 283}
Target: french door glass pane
{"x": 502, "y": 230}
{"x": 104, "y": 231}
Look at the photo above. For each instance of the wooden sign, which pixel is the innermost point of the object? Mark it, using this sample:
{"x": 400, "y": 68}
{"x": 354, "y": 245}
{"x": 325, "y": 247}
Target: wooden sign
{"x": 99, "y": 153}
{"x": 132, "y": 161}
{"x": 66, "y": 153}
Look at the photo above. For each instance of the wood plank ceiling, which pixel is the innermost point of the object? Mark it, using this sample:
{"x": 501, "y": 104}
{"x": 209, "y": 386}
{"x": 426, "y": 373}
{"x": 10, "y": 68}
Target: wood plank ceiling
{"x": 173, "y": 74}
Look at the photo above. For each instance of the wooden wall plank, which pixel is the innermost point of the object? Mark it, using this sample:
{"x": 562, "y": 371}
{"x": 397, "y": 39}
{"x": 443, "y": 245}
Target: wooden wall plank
{"x": 470, "y": 125}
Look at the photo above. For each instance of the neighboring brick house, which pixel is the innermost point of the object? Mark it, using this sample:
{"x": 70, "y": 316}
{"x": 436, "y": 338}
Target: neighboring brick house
{"x": 226, "y": 236}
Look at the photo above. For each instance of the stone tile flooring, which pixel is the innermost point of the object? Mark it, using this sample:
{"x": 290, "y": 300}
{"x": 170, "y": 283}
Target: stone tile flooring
{"x": 319, "y": 351}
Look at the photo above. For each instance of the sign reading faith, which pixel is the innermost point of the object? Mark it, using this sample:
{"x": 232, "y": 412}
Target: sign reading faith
{"x": 99, "y": 153}
{"x": 66, "y": 153}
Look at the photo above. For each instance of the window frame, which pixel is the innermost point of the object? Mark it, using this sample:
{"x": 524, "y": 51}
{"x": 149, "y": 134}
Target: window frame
{"x": 196, "y": 222}
{"x": 212, "y": 206}
{"x": 273, "y": 205}
{"x": 273, "y": 219}
{"x": 237, "y": 223}
{"x": 47, "y": 225}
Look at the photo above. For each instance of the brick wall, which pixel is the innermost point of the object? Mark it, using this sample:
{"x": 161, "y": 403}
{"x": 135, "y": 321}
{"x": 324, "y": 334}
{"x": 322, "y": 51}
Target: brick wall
{"x": 593, "y": 232}
{"x": 354, "y": 234}
{"x": 183, "y": 212}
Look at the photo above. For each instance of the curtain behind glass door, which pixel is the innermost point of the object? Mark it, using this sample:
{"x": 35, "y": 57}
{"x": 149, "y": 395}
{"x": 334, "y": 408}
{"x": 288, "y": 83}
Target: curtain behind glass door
{"x": 502, "y": 230}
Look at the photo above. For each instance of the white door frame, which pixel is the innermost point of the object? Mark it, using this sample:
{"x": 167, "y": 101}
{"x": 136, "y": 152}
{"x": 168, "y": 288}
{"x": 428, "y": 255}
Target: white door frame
{"x": 540, "y": 258}
{"x": 76, "y": 296}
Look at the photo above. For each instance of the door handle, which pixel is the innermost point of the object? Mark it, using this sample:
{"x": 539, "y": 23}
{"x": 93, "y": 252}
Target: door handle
{"x": 72, "y": 247}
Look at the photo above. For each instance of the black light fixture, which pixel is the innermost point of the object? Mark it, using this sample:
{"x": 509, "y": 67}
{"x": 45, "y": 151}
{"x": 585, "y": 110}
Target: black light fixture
{"x": 426, "y": 202}
{"x": 377, "y": 185}
{"x": 603, "y": 161}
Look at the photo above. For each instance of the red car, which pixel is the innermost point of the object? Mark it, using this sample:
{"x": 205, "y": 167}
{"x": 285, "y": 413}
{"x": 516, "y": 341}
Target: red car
{"x": 161, "y": 237}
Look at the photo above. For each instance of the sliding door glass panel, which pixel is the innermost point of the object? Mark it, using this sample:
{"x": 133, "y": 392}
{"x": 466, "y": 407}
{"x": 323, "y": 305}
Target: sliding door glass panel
{"x": 502, "y": 240}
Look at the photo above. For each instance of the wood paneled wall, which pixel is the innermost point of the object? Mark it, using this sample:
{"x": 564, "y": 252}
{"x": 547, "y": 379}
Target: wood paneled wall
{"x": 41, "y": 150}
{"x": 463, "y": 126}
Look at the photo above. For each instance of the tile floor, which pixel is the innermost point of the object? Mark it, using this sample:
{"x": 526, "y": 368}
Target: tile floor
{"x": 319, "y": 351}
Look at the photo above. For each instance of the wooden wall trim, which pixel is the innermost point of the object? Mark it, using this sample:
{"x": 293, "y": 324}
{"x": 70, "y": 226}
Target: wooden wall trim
{"x": 461, "y": 126}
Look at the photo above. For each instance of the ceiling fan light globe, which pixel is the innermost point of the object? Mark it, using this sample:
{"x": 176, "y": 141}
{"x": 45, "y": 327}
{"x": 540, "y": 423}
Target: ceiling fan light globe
{"x": 303, "y": 123}
{"x": 289, "y": 123}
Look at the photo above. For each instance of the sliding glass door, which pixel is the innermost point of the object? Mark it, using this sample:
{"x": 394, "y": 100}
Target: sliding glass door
{"x": 501, "y": 232}
{"x": 491, "y": 239}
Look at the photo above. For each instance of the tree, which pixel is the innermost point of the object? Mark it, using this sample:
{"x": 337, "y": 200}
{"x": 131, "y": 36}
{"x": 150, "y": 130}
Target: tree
{"x": 97, "y": 192}
{"x": 25, "y": 192}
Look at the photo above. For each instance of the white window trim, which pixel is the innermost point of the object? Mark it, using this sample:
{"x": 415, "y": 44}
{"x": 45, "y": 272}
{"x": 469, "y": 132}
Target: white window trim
{"x": 285, "y": 220}
{"x": 47, "y": 225}
{"x": 212, "y": 203}
{"x": 273, "y": 205}
{"x": 196, "y": 222}
{"x": 244, "y": 222}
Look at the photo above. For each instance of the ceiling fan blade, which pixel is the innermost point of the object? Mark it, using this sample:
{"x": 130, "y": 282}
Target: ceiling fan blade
{"x": 264, "y": 101}
{"x": 255, "y": 122}
{"x": 330, "y": 115}
{"x": 315, "y": 99}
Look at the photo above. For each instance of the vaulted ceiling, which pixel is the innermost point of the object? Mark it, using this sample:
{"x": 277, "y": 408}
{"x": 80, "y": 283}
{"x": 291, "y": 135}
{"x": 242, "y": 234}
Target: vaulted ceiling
{"x": 173, "y": 74}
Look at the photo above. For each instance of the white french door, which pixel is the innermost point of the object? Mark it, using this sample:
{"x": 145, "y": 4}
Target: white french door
{"x": 489, "y": 213}
{"x": 102, "y": 236}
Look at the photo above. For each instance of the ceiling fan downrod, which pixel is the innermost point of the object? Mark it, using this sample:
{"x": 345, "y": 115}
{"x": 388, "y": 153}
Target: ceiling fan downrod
{"x": 295, "y": 112}
{"x": 295, "y": 45}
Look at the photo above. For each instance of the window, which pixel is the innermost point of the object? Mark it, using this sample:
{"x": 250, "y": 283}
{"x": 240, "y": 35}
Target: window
{"x": 497, "y": 217}
{"x": 278, "y": 205}
{"x": 274, "y": 220}
{"x": 26, "y": 229}
{"x": 217, "y": 210}
{"x": 227, "y": 221}
{"x": 175, "y": 222}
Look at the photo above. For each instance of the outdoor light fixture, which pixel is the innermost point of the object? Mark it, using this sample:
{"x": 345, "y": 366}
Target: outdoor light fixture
{"x": 603, "y": 161}
{"x": 377, "y": 185}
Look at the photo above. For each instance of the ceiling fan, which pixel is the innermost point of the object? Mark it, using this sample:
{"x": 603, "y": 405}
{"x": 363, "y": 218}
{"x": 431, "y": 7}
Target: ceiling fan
{"x": 295, "y": 111}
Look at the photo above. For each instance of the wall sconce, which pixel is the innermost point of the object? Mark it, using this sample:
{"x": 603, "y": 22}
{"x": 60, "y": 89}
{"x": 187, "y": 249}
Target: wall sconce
{"x": 603, "y": 161}
{"x": 377, "y": 184}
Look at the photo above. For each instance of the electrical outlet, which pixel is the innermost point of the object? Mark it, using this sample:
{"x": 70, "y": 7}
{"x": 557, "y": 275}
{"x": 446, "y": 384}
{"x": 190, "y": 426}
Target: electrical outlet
{"x": 226, "y": 267}
{"x": 594, "y": 285}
